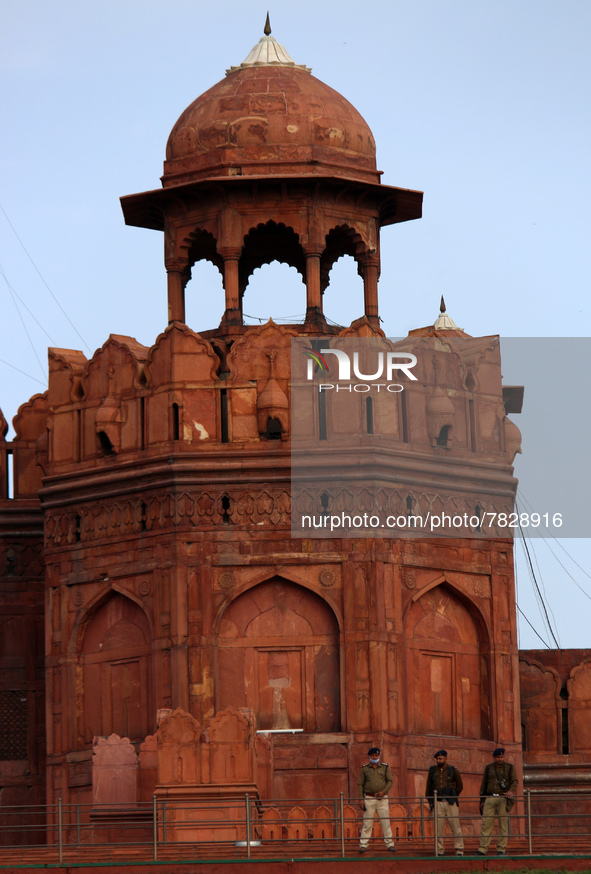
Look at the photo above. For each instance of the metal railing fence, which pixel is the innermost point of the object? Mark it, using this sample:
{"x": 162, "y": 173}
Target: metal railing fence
{"x": 246, "y": 826}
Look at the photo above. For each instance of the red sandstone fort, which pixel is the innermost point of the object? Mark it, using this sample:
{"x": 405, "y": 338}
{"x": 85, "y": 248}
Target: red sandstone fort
{"x": 161, "y": 630}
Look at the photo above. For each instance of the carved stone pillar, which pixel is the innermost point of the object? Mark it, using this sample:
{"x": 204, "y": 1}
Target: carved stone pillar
{"x": 233, "y": 312}
{"x": 371, "y": 272}
{"x": 176, "y": 294}
{"x": 313, "y": 292}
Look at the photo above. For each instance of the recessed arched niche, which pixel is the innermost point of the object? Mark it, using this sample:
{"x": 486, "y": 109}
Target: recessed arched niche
{"x": 448, "y": 679}
{"x": 117, "y": 672}
{"x": 279, "y": 655}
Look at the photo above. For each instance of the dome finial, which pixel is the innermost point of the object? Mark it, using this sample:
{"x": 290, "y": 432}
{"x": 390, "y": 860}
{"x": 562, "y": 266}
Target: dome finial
{"x": 442, "y": 305}
{"x": 268, "y": 52}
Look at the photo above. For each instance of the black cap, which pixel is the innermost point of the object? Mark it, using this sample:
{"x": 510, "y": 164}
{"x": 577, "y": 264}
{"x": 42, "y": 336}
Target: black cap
{"x": 373, "y": 751}
{"x": 500, "y": 751}
{"x": 440, "y": 753}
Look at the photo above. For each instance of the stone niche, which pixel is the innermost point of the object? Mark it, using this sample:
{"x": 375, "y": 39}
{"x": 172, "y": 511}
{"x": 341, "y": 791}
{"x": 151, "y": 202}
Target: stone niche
{"x": 197, "y": 767}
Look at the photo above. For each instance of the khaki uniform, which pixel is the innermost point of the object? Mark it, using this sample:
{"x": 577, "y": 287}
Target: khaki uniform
{"x": 372, "y": 780}
{"x": 439, "y": 780}
{"x": 496, "y": 804}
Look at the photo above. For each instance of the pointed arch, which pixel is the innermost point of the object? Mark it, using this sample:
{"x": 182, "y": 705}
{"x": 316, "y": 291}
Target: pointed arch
{"x": 448, "y": 664}
{"x": 541, "y": 706}
{"x": 278, "y": 653}
{"x": 114, "y": 646}
{"x": 289, "y": 575}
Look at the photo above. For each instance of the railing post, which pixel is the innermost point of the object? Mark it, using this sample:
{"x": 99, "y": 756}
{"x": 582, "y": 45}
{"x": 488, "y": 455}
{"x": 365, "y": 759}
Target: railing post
{"x": 435, "y": 819}
{"x": 155, "y": 825}
{"x": 247, "y": 802}
{"x": 164, "y": 822}
{"x": 77, "y": 825}
{"x": 528, "y": 805}
{"x": 422, "y": 818}
{"x": 342, "y": 818}
{"x": 59, "y": 831}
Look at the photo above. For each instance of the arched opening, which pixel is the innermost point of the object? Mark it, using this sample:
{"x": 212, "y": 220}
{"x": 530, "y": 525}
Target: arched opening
{"x": 117, "y": 672}
{"x": 274, "y": 291}
{"x": 343, "y": 297}
{"x": 278, "y": 248}
{"x": 278, "y": 653}
{"x": 274, "y": 429}
{"x": 269, "y": 242}
{"x": 204, "y": 297}
{"x": 448, "y": 667}
{"x": 443, "y": 436}
{"x": 105, "y": 444}
{"x": 225, "y": 510}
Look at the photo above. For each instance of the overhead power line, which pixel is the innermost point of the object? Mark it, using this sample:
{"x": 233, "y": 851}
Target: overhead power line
{"x": 18, "y": 370}
{"x": 547, "y": 539}
{"x": 20, "y": 315}
{"x": 24, "y": 248}
{"x": 532, "y": 628}
{"x": 17, "y": 295}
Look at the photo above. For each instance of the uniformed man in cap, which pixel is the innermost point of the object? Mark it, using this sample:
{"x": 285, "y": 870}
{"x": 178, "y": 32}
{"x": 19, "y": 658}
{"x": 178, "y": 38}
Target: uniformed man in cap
{"x": 447, "y": 782}
{"x": 375, "y": 781}
{"x": 499, "y": 783}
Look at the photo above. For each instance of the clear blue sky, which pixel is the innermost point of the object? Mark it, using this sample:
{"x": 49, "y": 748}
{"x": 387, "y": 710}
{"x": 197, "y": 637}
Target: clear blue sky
{"x": 483, "y": 105}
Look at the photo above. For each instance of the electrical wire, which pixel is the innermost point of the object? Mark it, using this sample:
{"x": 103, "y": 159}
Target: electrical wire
{"x": 299, "y": 317}
{"x": 537, "y": 588}
{"x": 14, "y": 292}
{"x": 523, "y": 614}
{"x": 545, "y": 597}
{"x": 72, "y": 325}
{"x": 20, "y": 315}
{"x": 532, "y": 628}
{"x": 566, "y": 552}
{"x": 18, "y": 370}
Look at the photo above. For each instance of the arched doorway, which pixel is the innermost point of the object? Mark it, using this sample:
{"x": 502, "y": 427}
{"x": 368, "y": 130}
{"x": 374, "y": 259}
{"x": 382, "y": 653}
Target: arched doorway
{"x": 117, "y": 672}
{"x": 279, "y": 655}
{"x": 448, "y": 668}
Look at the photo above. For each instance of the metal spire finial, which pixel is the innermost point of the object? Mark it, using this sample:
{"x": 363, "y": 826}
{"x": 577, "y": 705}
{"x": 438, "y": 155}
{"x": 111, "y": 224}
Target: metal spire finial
{"x": 267, "y": 27}
{"x": 442, "y": 305}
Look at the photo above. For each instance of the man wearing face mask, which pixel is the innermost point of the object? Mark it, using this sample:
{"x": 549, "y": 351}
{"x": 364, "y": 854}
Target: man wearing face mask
{"x": 375, "y": 781}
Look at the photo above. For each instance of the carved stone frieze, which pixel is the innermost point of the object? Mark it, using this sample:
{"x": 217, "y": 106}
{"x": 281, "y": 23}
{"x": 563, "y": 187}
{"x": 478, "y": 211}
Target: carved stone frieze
{"x": 211, "y": 508}
{"x": 161, "y": 512}
{"x": 475, "y": 584}
{"x": 392, "y": 502}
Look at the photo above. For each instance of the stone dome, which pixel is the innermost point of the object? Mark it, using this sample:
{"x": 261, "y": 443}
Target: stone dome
{"x": 269, "y": 117}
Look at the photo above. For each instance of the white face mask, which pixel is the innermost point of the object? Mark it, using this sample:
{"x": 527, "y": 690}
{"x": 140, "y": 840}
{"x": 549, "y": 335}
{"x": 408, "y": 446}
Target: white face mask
{"x": 374, "y": 761}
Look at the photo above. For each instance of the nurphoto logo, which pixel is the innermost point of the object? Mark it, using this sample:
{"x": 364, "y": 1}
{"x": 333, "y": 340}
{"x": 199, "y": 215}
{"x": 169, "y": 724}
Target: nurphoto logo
{"x": 388, "y": 364}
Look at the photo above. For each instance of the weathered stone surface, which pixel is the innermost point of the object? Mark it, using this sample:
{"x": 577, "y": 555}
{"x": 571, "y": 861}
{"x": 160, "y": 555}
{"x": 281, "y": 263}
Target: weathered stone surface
{"x": 114, "y": 771}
